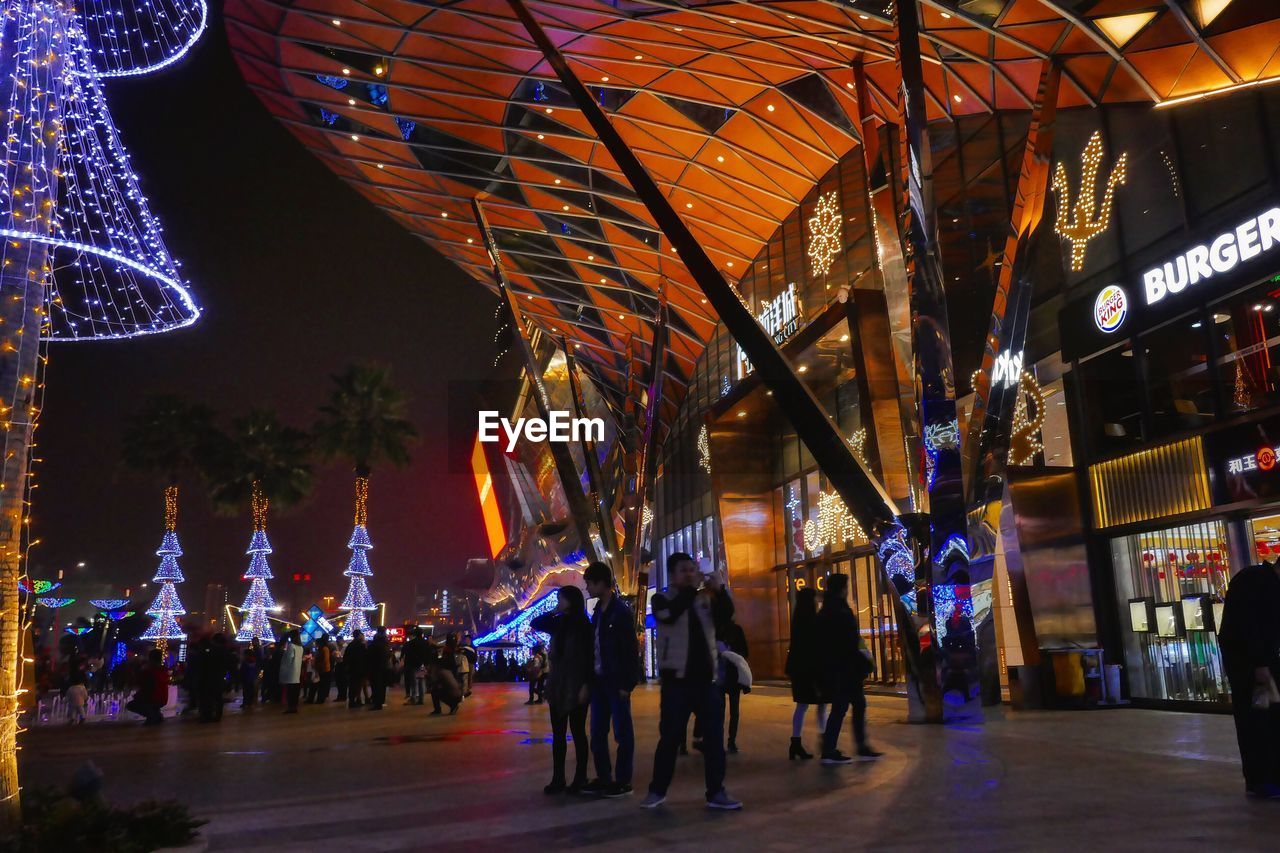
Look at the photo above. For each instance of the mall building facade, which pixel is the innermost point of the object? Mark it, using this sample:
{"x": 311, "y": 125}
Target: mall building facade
{"x": 1154, "y": 475}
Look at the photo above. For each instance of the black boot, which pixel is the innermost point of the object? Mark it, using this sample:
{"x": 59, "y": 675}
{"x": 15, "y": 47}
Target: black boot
{"x": 797, "y": 750}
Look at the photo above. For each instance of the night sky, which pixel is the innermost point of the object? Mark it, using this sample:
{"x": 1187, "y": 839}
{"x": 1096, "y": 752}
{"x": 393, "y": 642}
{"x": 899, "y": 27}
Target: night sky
{"x": 298, "y": 276}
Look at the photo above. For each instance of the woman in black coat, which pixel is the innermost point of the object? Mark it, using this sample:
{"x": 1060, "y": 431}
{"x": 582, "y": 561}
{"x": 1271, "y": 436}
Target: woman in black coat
{"x": 803, "y": 669}
{"x": 572, "y": 662}
{"x": 843, "y": 670}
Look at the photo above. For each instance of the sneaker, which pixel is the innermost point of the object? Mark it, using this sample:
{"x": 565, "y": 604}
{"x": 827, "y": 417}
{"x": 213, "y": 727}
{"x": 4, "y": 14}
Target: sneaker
{"x": 866, "y": 753}
{"x": 575, "y": 787}
{"x": 616, "y": 791}
{"x": 652, "y": 800}
{"x": 836, "y": 757}
{"x": 555, "y": 787}
{"x": 596, "y": 788}
{"x": 722, "y": 800}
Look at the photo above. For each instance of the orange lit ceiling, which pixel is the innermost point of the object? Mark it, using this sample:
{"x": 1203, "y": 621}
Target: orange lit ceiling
{"x": 736, "y": 108}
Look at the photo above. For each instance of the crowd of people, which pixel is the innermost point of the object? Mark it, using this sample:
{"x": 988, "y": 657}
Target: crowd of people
{"x": 592, "y": 665}
{"x": 585, "y": 674}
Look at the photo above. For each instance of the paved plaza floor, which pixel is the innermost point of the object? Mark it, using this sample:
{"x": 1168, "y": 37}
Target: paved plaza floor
{"x": 334, "y": 779}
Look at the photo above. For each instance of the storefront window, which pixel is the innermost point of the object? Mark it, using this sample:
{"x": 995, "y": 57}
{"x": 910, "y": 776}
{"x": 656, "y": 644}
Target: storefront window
{"x": 1178, "y": 377}
{"x": 1170, "y": 585}
{"x": 1114, "y": 411}
{"x": 1247, "y": 332}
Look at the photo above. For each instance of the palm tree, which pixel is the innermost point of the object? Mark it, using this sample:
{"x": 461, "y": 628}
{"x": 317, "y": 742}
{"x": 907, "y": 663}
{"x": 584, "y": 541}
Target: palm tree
{"x": 363, "y": 422}
{"x": 168, "y": 437}
{"x": 259, "y": 449}
{"x": 261, "y": 460}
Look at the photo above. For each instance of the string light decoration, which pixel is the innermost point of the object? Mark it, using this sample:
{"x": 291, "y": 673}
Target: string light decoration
{"x": 516, "y": 630}
{"x": 1088, "y": 219}
{"x": 895, "y": 555}
{"x": 256, "y": 625}
{"x": 38, "y": 587}
{"x": 834, "y": 526}
{"x": 167, "y": 606}
{"x": 131, "y": 38}
{"x": 358, "y": 600}
{"x": 704, "y": 449}
{"x": 1028, "y": 417}
{"x": 858, "y": 441}
{"x": 497, "y": 336}
{"x": 55, "y": 602}
{"x": 109, "y": 603}
{"x": 825, "y": 228}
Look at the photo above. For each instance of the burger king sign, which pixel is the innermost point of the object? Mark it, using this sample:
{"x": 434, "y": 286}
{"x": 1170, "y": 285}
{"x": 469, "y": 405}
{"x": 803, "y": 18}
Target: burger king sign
{"x": 1110, "y": 308}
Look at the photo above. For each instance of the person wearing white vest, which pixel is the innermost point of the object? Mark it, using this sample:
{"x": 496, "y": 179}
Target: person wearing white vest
{"x": 291, "y": 670}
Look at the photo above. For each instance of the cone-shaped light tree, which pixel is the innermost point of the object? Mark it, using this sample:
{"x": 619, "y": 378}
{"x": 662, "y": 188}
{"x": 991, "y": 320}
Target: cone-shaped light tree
{"x": 363, "y": 422}
{"x": 261, "y": 462}
{"x": 82, "y": 255}
{"x": 254, "y": 624}
{"x": 167, "y": 606}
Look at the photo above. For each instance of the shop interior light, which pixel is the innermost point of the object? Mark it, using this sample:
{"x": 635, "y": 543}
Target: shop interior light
{"x": 1221, "y": 318}
{"x": 804, "y": 368}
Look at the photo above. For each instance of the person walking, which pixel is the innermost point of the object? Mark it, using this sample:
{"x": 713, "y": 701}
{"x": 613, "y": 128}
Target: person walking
{"x": 271, "y": 673}
{"x": 291, "y": 670}
{"x": 355, "y": 657}
{"x": 687, "y": 616}
{"x": 567, "y": 691}
{"x": 153, "y": 690}
{"x": 415, "y": 667}
{"x": 379, "y": 668}
{"x": 324, "y": 670}
{"x": 735, "y": 676}
{"x": 804, "y": 669}
{"x": 466, "y": 663}
{"x": 1250, "y": 641}
{"x": 536, "y": 670}
{"x": 250, "y": 667}
{"x": 77, "y": 691}
{"x": 615, "y": 673}
{"x": 844, "y": 669}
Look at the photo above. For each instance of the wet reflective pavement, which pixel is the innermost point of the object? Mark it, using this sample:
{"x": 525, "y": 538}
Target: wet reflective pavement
{"x": 402, "y": 780}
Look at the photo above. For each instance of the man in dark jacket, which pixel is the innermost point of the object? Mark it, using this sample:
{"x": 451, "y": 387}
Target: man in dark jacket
{"x": 355, "y": 657}
{"x": 687, "y": 617}
{"x": 379, "y": 669}
{"x": 844, "y": 668}
{"x": 615, "y": 673}
{"x": 415, "y": 666}
{"x": 1250, "y": 641}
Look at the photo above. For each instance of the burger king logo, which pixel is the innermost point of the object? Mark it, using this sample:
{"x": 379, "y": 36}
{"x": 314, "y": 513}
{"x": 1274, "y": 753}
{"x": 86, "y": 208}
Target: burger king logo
{"x": 1110, "y": 308}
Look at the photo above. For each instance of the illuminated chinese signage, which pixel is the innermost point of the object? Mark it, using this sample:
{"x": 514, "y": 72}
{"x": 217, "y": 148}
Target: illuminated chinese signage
{"x": 1263, "y": 460}
{"x": 780, "y": 317}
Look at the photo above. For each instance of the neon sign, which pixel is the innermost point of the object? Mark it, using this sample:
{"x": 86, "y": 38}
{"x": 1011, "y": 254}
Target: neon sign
{"x": 1243, "y": 243}
{"x": 780, "y": 317}
{"x": 1264, "y": 459}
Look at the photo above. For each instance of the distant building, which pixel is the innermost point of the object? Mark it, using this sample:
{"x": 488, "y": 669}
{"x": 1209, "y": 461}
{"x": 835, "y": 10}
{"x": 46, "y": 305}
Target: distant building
{"x": 214, "y": 616}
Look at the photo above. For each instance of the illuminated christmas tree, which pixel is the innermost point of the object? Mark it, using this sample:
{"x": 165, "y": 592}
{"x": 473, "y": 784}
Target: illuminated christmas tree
{"x": 358, "y": 600}
{"x": 255, "y": 623}
{"x": 167, "y": 605}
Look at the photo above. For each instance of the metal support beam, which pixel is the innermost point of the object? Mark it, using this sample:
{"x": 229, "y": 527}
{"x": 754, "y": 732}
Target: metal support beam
{"x": 595, "y": 478}
{"x": 895, "y": 364}
{"x": 646, "y": 466}
{"x": 861, "y": 492}
{"x": 565, "y": 468}
{"x": 987, "y": 442}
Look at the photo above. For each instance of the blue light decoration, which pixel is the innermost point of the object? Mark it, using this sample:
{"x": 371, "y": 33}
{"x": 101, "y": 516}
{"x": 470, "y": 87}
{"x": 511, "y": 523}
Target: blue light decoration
{"x": 39, "y": 587}
{"x": 130, "y": 38}
{"x": 516, "y": 630}
{"x": 118, "y": 654}
{"x": 54, "y": 602}
{"x": 955, "y": 544}
{"x": 316, "y": 625}
{"x": 79, "y": 630}
{"x": 329, "y": 117}
{"x": 377, "y": 94}
{"x": 950, "y": 600}
{"x": 896, "y": 557}
{"x": 540, "y": 92}
{"x": 109, "y": 603}
{"x": 71, "y": 211}
{"x": 256, "y": 625}
{"x": 332, "y": 82}
{"x": 406, "y": 127}
{"x": 117, "y": 614}
{"x": 358, "y": 601}
{"x": 167, "y": 606}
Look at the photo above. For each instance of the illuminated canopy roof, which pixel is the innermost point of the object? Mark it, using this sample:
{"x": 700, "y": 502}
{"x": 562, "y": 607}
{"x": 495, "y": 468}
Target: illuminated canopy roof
{"x": 736, "y": 108}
